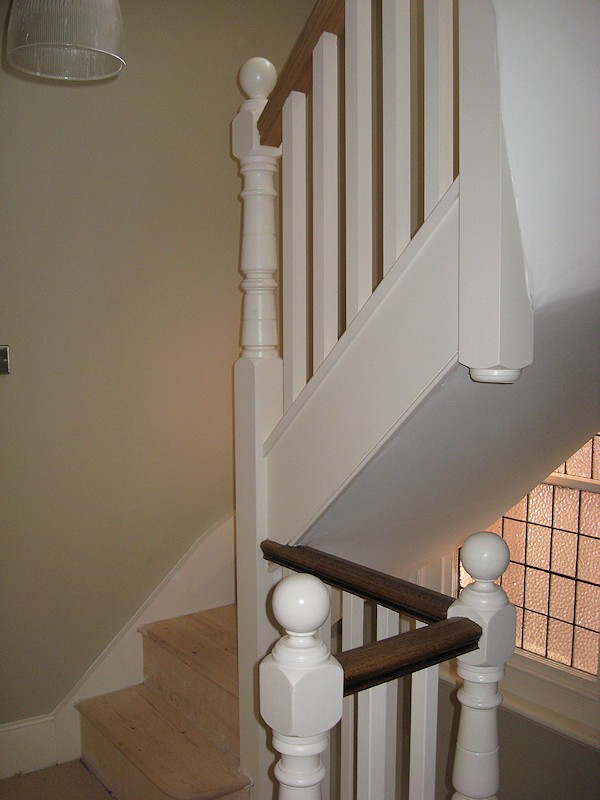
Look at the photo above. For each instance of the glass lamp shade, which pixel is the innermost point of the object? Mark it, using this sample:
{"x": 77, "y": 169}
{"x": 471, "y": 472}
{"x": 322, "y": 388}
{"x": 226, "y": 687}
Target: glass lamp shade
{"x": 71, "y": 40}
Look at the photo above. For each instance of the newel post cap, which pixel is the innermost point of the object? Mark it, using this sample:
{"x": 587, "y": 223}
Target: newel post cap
{"x": 257, "y": 79}
{"x": 486, "y": 556}
{"x": 301, "y": 684}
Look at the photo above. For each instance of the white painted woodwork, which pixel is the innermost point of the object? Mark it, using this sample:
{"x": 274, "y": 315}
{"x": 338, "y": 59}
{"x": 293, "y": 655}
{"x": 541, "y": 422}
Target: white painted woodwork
{"x": 258, "y": 390}
{"x": 438, "y": 110}
{"x": 325, "y": 179}
{"x": 496, "y": 318}
{"x": 476, "y": 764}
{"x": 258, "y": 165}
{"x": 359, "y": 171}
{"x": 388, "y": 624}
{"x": 396, "y": 129}
{"x": 301, "y": 687}
{"x": 423, "y": 732}
{"x": 378, "y": 392}
{"x": 352, "y": 636}
{"x": 294, "y": 246}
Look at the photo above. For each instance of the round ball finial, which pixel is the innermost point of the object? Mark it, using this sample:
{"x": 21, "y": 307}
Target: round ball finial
{"x": 301, "y": 603}
{"x": 258, "y": 78}
{"x": 485, "y": 556}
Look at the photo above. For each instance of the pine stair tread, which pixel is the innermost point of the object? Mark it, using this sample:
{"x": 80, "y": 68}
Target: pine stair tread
{"x": 205, "y": 641}
{"x": 163, "y": 745}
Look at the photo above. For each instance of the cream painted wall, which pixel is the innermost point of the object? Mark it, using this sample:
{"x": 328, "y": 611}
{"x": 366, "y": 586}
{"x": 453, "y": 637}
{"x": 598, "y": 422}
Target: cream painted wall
{"x": 119, "y": 300}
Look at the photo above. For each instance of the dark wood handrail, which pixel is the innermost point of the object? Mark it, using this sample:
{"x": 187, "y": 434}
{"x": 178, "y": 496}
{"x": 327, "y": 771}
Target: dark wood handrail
{"x": 409, "y": 652}
{"x": 296, "y": 75}
{"x": 393, "y": 593}
{"x": 395, "y": 656}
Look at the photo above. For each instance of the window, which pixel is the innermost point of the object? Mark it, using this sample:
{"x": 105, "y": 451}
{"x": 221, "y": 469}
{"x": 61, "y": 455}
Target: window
{"x": 553, "y": 578}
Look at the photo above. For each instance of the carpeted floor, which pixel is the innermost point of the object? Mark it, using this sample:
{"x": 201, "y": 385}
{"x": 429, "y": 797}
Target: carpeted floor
{"x": 70, "y": 781}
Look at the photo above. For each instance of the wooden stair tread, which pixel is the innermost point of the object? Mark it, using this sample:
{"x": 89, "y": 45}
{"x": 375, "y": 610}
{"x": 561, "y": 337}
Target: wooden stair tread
{"x": 206, "y": 642}
{"x": 163, "y": 745}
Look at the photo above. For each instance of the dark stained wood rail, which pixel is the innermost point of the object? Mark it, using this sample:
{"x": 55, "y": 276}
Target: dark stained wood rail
{"x": 393, "y": 593}
{"x": 296, "y": 75}
{"x": 409, "y": 652}
{"x": 396, "y": 656}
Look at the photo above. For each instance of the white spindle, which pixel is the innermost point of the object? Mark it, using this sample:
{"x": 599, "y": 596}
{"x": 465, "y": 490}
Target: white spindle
{"x": 325, "y": 197}
{"x": 388, "y": 624}
{"x": 423, "y": 733}
{"x": 301, "y": 687}
{"x": 476, "y": 765}
{"x": 294, "y": 247}
{"x": 359, "y": 178}
{"x": 258, "y": 166}
{"x": 438, "y": 78}
{"x": 396, "y": 129}
{"x": 352, "y": 636}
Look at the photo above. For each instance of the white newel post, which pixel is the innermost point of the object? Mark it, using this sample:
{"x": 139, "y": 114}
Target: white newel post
{"x": 476, "y": 774}
{"x": 258, "y": 166}
{"x": 301, "y": 687}
{"x": 258, "y": 383}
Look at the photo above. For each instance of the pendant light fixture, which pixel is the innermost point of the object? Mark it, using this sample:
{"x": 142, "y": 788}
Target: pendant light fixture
{"x": 69, "y": 40}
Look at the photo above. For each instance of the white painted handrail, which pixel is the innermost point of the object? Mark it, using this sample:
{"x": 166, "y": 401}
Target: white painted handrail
{"x": 476, "y": 765}
{"x": 301, "y": 687}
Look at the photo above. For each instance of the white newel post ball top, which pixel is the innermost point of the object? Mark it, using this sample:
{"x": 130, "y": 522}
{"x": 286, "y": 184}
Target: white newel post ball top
{"x": 301, "y": 687}
{"x": 258, "y": 78}
{"x": 485, "y": 556}
{"x": 301, "y": 604}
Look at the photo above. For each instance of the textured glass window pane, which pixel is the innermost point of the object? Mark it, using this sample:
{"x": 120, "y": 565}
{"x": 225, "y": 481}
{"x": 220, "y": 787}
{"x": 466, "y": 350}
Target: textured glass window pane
{"x": 562, "y": 598}
{"x": 519, "y": 636}
{"x": 514, "y": 536}
{"x": 588, "y": 568}
{"x": 590, "y": 513}
{"x": 538, "y": 546}
{"x": 588, "y": 606}
{"x": 519, "y": 510}
{"x": 536, "y": 590}
{"x": 564, "y": 553}
{"x": 513, "y": 583}
{"x": 496, "y": 527}
{"x": 596, "y": 458}
{"x": 540, "y": 504}
{"x": 580, "y": 462}
{"x": 585, "y": 651}
{"x": 566, "y": 508}
{"x": 534, "y": 633}
{"x": 562, "y": 468}
{"x": 560, "y": 641}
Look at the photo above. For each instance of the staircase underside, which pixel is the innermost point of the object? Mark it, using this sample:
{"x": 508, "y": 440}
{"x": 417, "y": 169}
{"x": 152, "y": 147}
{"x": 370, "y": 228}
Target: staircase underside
{"x": 471, "y": 451}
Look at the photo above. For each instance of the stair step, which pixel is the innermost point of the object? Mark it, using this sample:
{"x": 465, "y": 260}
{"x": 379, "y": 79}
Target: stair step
{"x": 141, "y": 748}
{"x": 192, "y": 662}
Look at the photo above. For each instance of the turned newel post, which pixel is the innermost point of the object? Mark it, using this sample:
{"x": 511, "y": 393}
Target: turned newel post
{"x": 258, "y": 166}
{"x": 476, "y": 772}
{"x": 301, "y": 687}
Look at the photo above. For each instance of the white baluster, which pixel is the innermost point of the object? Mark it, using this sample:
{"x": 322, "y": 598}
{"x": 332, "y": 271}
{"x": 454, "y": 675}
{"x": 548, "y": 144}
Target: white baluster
{"x": 258, "y": 166}
{"x": 301, "y": 687}
{"x": 476, "y": 765}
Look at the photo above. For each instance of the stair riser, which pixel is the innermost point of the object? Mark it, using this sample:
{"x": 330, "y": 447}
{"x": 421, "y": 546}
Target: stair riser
{"x": 212, "y": 709}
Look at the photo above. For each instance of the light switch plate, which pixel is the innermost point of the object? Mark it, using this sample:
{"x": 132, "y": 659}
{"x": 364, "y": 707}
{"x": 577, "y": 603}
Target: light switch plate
{"x": 4, "y": 360}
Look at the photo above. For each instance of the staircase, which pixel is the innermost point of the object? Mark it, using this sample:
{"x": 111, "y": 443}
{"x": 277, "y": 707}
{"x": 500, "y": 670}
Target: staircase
{"x": 176, "y": 736}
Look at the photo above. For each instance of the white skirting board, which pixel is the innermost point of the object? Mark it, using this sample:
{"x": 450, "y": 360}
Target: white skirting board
{"x": 203, "y": 578}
